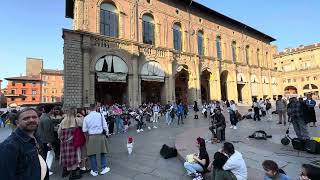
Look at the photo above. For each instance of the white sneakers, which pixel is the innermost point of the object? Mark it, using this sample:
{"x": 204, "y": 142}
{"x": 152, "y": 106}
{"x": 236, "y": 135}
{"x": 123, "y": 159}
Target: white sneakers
{"x": 139, "y": 130}
{"x": 233, "y": 127}
{"x": 149, "y": 127}
{"x": 155, "y": 127}
{"x": 94, "y": 173}
{"x": 105, "y": 170}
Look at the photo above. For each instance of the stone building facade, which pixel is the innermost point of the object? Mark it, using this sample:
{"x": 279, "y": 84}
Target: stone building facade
{"x": 52, "y": 85}
{"x": 130, "y": 51}
{"x": 300, "y": 70}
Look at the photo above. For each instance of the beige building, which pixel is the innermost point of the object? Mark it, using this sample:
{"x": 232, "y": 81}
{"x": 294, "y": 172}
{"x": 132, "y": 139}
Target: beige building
{"x": 130, "y": 51}
{"x": 300, "y": 70}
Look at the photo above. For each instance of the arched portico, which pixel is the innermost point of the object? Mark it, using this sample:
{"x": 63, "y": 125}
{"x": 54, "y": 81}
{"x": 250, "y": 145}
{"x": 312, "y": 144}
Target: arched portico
{"x": 182, "y": 90}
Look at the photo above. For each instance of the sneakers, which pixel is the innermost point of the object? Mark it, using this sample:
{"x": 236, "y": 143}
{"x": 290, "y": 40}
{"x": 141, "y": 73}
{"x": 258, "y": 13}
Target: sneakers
{"x": 50, "y": 173}
{"x": 235, "y": 127}
{"x": 105, "y": 170}
{"x": 138, "y": 130}
{"x": 141, "y": 130}
{"x": 149, "y": 127}
{"x": 155, "y": 127}
{"x": 231, "y": 127}
{"x": 94, "y": 174}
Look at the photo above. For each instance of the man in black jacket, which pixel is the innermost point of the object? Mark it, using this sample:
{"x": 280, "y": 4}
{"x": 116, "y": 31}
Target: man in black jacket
{"x": 20, "y": 152}
{"x": 218, "y": 126}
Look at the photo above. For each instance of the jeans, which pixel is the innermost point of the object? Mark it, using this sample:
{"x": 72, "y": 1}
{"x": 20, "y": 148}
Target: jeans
{"x": 282, "y": 114}
{"x": 180, "y": 117}
{"x": 300, "y": 128}
{"x": 192, "y": 167}
{"x": 155, "y": 117}
{"x": 168, "y": 118}
{"x": 233, "y": 119}
{"x": 93, "y": 162}
{"x": 119, "y": 124}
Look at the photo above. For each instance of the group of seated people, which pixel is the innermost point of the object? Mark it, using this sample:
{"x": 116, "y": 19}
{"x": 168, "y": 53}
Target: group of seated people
{"x": 228, "y": 164}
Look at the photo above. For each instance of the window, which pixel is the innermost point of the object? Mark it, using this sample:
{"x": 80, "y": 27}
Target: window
{"x": 308, "y": 78}
{"x": 247, "y": 54}
{"x": 45, "y": 83}
{"x": 24, "y": 91}
{"x": 267, "y": 54}
{"x": 234, "y": 51}
{"x": 33, "y": 84}
{"x": 23, "y": 84}
{"x": 44, "y": 99}
{"x": 315, "y": 78}
{"x": 219, "y": 51}
{"x": 12, "y": 99}
{"x": 34, "y": 92}
{"x": 53, "y": 99}
{"x": 148, "y": 29}
{"x": 109, "y": 20}
{"x": 200, "y": 43}
{"x": 13, "y": 83}
{"x": 45, "y": 91}
{"x": 54, "y": 91}
{"x": 33, "y": 98}
{"x": 177, "y": 37}
{"x": 23, "y": 99}
{"x": 13, "y": 91}
{"x": 289, "y": 80}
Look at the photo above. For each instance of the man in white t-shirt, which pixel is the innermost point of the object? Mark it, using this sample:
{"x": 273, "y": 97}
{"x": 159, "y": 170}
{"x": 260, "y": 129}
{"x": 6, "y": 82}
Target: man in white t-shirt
{"x": 235, "y": 163}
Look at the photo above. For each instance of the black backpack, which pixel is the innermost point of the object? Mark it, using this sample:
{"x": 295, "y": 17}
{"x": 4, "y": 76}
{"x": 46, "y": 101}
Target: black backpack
{"x": 298, "y": 144}
{"x": 312, "y": 146}
{"x": 168, "y": 152}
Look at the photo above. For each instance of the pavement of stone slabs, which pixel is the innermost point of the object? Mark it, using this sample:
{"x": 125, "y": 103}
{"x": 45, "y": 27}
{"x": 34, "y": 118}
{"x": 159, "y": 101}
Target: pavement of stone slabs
{"x": 145, "y": 163}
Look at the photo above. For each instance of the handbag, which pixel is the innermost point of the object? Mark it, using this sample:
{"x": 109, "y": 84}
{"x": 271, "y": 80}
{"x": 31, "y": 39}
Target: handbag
{"x": 78, "y": 136}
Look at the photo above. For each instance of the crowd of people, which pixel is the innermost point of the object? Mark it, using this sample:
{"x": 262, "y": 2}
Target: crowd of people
{"x": 77, "y": 136}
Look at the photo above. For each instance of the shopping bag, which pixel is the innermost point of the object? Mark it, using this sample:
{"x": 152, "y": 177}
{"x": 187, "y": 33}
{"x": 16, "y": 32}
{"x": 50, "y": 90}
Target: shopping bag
{"x": 50, "y": 158}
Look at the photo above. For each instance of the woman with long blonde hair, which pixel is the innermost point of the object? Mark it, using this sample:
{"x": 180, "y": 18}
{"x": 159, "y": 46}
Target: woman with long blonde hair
{"x": 68, "y": 152}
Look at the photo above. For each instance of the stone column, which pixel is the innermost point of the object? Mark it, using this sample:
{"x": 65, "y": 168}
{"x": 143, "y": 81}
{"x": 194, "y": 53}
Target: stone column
{"x": 197, "y": 81}
{"x": 78, "y": 15}
{"x": 170, "y": 91}
{"x": 136, "y": 84}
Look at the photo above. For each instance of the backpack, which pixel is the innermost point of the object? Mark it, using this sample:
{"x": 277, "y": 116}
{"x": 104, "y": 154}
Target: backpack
{"x": 260, "y": 135}
{"x": 168, "y": 152}
{"x": 312, "y": 146}
{"x": 298, "y": 144}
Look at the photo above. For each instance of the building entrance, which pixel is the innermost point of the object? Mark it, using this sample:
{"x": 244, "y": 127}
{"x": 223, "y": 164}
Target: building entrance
{"x": 181, "y": 86}
{"x": 224, "y": 86}
{"x": 111, "y": 92}
{"x": 205, "y": 86}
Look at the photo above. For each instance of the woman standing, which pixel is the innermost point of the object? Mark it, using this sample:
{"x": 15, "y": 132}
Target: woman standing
{"x": 201, "y": 160}
{"x": 256, "y": 109}
{"x": 232, "y": 112}
{"x": 196, "y": 110}
{"x": 68, "y": 152}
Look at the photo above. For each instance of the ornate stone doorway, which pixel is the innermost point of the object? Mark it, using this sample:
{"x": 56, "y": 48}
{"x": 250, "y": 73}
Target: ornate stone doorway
{"x": 111, "y": 84}
{"x": 205, "y": 86}
{"x": 223, "y": 85}
{"x": 181, "y": 84}
{"x": 152, "y": 82}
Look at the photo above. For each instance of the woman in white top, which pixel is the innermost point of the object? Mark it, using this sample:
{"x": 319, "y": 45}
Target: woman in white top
{"x": 232, "y": 112}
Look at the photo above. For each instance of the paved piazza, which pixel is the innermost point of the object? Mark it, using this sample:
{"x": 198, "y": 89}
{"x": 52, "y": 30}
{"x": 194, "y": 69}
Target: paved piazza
{"x": 146, "y": 163}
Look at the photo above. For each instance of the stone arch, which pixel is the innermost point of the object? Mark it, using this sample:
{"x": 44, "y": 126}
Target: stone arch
{"x": 290, "y": 90}
{"x": 114, "y": 2}
{"x": 149, "y": 12}
{"x": 119, "y": 53}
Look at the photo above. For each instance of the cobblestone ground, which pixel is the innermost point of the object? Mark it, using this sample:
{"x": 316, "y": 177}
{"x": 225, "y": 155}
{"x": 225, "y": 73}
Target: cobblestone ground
{"x": 146, "y": 164}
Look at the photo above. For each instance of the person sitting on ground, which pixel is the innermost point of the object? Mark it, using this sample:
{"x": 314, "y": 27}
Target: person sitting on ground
{"x": 218, "y": 126}
{"x": 235, "y": 163}
{"x": 309, "y": 172}
{"x": 249, "y": 115}
{"x": 201, "y": 161}
{"x": 272, "y": 171}
{"x": 217, "y": 168}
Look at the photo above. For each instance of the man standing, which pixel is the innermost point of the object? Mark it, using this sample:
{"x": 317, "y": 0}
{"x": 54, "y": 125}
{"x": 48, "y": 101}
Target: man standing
{"x": 281, "y": 106}
{"x": 20, "y": 152}
{"x": 180, "y": 112}
{"x": 156, "y": 110}
{"x": 311, "y": 114}
{"x": 295, "y": 113}
{"x": 94, "y": 124}
{"x": 46, "y": 130}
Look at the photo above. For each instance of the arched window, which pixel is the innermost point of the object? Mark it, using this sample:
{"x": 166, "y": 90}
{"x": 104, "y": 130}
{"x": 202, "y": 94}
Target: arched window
{"x": 234, "y": 51}
{"x": 200, "y": 43}
{"x": 109, "y": 20}
{"x": 247, "y": 54}
{"x": 177, "y": 37}
{"x": 148, "y": 29}
{"x": 219, "y": 50}
{"x": 266, "y": 59}
{"x": 258, "y": 56}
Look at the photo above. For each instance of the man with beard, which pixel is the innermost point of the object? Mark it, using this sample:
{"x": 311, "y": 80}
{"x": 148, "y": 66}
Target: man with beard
{"x": 20, "y": 152}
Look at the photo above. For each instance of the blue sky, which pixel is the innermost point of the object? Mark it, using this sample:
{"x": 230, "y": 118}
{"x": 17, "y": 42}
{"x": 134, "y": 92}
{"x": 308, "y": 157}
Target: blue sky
{"x": 33, "y": 28}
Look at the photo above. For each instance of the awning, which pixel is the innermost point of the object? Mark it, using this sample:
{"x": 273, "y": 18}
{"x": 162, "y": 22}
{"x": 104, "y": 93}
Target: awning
{"x": 152, "y": 78}
{"x": 111, "y": 77}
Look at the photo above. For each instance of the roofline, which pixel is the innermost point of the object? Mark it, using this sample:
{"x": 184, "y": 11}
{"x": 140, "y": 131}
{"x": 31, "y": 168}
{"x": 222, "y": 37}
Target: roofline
{"x": 17, "y": 78}
{"x": 232, "y": 21}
